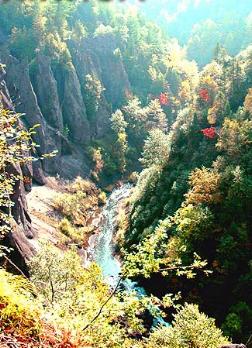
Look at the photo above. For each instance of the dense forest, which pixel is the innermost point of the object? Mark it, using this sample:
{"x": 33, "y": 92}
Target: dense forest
{"x": 200, "y": 24}
{"x": 152, "y": 98}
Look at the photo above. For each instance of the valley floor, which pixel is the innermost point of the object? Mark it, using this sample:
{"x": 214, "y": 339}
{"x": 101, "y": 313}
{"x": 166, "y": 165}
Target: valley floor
{"x": 44, "y": 219}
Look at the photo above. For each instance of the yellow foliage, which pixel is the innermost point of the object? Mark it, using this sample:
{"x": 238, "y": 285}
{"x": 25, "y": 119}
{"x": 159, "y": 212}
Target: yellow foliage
{"x": 102, "y": 197}
{"x": 248, "y": 101}
{"x": 234, "y": 135}
{"x": 211, "y": 117}
{"x": 190, "y": 329}
{"x": 204, "y": 186}
{"x": 80, "y": 202}
{"x": 185, "y": 90}
{"x": 76, "y": 235}
{"x": 209, "y": 82}
{"x": 80, "y": 184}
{"x": 18, "y": 309}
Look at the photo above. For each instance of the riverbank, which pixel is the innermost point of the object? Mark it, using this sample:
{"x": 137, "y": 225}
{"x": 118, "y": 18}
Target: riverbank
{"x": 101, "y": 248}
{"x": 65, "y": 213}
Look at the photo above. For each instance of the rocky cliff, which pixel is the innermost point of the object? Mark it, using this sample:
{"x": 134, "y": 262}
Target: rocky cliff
{"x": 21, "y": 229}
{"x": 54, "y": 96}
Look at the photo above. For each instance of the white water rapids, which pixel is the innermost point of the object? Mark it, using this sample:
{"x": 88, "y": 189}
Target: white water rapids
{"x": 101, "y": 248}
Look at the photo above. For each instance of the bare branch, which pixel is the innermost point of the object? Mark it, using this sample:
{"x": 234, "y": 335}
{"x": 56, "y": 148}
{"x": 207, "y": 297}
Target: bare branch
{"x": 103, "y": 305}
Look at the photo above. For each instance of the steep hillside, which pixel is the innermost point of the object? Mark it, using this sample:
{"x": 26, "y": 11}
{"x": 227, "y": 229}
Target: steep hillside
{"x": 95, "y": 97}
{"x": 69, "y": 67}
{"x": 66, "y": 70}
{"x": 21, "y": 230}
{"x": 50, "y": 93}
{"x": 197, "y": 199}
{"x": 200, "y": 25}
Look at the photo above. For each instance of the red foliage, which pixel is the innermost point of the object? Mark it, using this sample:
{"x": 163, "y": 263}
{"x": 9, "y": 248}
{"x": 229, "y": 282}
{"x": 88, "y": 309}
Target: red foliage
{"x": 209, "y": 132}
{"x": 2, "y": 305}
{"x": 204, "y": 95}
{"x": 163, "y": 98}
{"x": 27, "y": 180}
{"x": 49, "y": 337}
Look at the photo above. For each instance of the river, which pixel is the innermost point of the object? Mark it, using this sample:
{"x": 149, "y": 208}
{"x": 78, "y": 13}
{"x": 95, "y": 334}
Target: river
{"x": 101, "y": 249}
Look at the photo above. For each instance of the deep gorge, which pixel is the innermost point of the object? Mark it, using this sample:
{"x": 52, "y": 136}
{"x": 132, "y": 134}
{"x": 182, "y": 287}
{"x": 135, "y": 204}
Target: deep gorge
{"x": 125, "y": 151}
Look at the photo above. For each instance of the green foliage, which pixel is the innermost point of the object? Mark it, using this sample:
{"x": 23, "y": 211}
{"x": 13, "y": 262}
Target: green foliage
{"x": 146, "y": 180}
{"x": 52, "y": 282}
{"x": 79, "y": 31}
{"x": 79, "y": 201}
{"x": 203, "y": 192}
{"x": 15, "y": 141}
{"x": 193, "y": 222}
{"x": 93, "y": 94}
{"x": 232, "y": 324}
{"x": 151, "y": 256}
{"x": 23, "y": 42}
{"x": 74, "y": 297}
{"x": 57, "y": 48}
{"x": 118, "y": 122}
{"x": 239, "y": 320}
{"x": 18, "y": 311}
{"x": 192, "y": 202}
{"x": 76, "y": 235}
{"x": 119, "y": 125}
{"x": 190, "y": 329}
{"x": 156, "y": 149}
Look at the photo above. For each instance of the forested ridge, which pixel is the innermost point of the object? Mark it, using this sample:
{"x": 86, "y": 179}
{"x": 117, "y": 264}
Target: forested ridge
{"x": 198, "y": 24}
{"x": 95, "y": 94}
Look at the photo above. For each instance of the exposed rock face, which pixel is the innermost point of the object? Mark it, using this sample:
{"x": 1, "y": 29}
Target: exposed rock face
{"x": 23, "y": 96}
{"x": 53, "y": 95}
{"x": 74, "y": 110}
{"x": 111, "y": 68}
{"x": 21, "y": 230}
{"x": 47, "y": 93}
{"x": 87, "y": 63}
{"x": 25, "y": 100}
{"x": 100, "y": 57}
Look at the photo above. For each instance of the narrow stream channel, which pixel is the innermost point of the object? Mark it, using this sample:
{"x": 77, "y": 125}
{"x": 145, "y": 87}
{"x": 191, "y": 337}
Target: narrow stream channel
{"x": 101, "y": 248}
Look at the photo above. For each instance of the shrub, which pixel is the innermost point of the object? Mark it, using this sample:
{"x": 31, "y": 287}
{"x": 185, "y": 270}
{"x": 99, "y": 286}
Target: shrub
{"x": 18, "y": 309}
{"x": 54, "y": 272}
{"x": 75, "y": 234}
{"x": 79, "y": 203}
{"x": 205, "y": 186}
{"x": 83, "y": 185}
{"x": 102, "y": 197}
{"x": 190, "y": 328}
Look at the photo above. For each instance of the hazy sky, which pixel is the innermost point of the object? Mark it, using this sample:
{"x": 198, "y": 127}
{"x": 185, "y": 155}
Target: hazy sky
{"x": 179, "y": 16}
